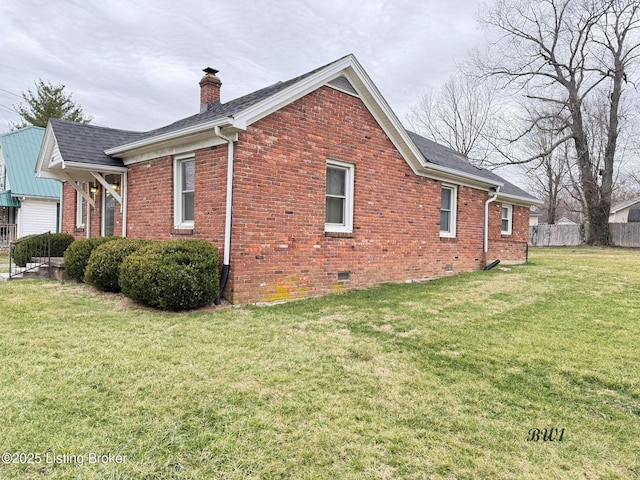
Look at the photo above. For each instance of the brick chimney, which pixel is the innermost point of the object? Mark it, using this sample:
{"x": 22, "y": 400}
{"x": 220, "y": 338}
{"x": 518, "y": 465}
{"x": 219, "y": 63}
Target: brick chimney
{"x": 209, "y": 89}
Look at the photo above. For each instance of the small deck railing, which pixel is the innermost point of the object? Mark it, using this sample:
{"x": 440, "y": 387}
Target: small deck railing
{"x": 28, "y": 254}
{"x": 8, "y": 233}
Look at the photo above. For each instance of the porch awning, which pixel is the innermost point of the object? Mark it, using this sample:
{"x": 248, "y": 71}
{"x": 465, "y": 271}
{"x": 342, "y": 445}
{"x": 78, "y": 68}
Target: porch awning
{"x": 6, "y": 200}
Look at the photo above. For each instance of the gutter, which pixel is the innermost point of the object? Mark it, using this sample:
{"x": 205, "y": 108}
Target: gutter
{"x": 194, "y": 129}
{"x": 457, "y": 175}
{"x": 226, "y": 266}
{"x": 486, "y": 220}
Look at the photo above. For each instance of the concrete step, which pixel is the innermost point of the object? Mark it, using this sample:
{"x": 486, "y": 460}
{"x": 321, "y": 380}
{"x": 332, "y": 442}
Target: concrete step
{"x": 42, "y": 271}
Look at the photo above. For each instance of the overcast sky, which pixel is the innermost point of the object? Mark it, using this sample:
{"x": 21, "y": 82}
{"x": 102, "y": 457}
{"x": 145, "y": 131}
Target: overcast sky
{"x": 135, "y": 65}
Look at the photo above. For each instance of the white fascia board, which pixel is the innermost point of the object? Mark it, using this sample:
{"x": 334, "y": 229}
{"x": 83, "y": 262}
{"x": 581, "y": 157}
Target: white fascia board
{"x": 192, "y": 130}
{"x": 50, "y": 175}
{"x": 48, "y": 143}
{"x": 456, "y": 175}
{"x": 177, "y": 146}
{"x": 293, "y": 92}
{"x": 517, "y": 200}
{"x": 94, "y": 167}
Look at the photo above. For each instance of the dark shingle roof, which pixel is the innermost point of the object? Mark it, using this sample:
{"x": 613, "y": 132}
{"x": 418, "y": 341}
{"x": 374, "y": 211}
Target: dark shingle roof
{"x": 87, "y": 143}
{"x": 445, "y": 157}
{"x": 83, "y": 143}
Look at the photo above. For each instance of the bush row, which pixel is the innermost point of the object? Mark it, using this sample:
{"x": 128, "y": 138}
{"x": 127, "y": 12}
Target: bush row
{"x": 171, "y": 275}
{"x": 77, "y": 255}
{"x": 35, "y": 246}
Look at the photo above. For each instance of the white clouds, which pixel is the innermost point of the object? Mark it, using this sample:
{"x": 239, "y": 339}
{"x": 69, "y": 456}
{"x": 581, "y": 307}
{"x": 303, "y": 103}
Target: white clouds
{"x": 136, "y": 65}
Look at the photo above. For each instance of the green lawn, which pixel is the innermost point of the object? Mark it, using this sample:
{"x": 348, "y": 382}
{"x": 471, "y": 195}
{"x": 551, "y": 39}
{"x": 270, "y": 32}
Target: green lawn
{"x": 440, "y": 380}
{"x": 4, "y": 260}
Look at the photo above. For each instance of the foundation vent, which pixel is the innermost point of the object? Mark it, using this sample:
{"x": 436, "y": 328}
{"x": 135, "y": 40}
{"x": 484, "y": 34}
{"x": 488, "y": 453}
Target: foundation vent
{"x": 344, "y": 276}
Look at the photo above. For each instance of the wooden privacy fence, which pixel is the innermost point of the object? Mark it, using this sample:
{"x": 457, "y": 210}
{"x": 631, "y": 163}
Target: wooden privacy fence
{"x": 544, "y": 235}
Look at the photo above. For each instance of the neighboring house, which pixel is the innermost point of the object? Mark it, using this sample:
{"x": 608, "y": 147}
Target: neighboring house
{"x": 308, "y": 186}
{"x": 624, "y": 212}
{"x": 565, "y": 221}
{"x": 534, "y": 217}
{"x": 27, "y": 204}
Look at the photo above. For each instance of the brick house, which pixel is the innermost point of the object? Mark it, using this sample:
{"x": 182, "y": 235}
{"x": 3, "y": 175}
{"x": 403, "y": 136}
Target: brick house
{"x": 307, "y": 187}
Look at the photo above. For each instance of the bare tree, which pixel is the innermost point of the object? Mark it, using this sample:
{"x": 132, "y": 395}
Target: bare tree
{"x": 561, "y": 53}
{"x": 549, "y": 174}
{"x": 461, "y": 116}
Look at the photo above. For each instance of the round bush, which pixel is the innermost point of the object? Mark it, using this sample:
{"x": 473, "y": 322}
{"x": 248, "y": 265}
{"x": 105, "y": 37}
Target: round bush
{"x": 103, "y": 267}
{"x": 36, "y": 246}
{"x": 59, "y": 243}
{"x": 172, "y": 275}
{"x": 78, "y": 253}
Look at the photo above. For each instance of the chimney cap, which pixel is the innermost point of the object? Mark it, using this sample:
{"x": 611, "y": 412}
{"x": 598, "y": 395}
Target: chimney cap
{"x": 210, "y": 71}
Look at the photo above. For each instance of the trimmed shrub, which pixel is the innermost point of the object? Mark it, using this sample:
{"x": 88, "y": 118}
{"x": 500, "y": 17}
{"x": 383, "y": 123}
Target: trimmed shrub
{"x": 33, "y": 245}
{"x": 103, "y": 267}
{"x": 172, "y": 275}
{"x": 78, "y": 253}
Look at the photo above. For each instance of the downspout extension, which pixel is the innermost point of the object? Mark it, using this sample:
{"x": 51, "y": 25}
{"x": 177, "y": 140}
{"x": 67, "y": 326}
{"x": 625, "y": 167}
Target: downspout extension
{"x": 226, "y": 267}
{"x": 486, "y": 221}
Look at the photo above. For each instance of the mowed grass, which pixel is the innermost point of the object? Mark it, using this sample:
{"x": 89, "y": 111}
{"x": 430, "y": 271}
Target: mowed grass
{"x": 441, "y": 380}
{"x": 4, "y": 260}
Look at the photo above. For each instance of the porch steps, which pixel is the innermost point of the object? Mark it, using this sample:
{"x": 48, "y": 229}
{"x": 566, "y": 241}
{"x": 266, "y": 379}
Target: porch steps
{"x": 42, "y": 271}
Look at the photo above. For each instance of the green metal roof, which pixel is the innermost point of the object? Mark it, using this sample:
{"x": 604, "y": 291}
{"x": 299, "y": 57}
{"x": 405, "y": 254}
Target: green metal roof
{"x": 6, "y": 200}
{"x": 20, "y": 150}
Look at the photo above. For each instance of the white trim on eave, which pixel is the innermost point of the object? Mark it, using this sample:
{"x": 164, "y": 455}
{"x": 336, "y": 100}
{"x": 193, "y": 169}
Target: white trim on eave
{"x": 165, "y": 137}
{"x": 46, "y": 150}
{"x": 517, "y": 200}
{"x": 95, "y": 167}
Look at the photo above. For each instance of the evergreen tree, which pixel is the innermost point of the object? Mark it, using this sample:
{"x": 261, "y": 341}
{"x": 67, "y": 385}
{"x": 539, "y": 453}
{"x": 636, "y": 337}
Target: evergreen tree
{"x": 48, "y": 101}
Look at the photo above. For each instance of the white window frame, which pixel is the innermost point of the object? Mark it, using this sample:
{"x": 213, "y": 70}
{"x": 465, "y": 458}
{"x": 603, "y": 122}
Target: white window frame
{"x": 347, "y": 226}
{"x": 509, "y": 219}
{"x": 81, "y": 206}
{"x": 451, "y": 233}
{"x": 178, "y": 223}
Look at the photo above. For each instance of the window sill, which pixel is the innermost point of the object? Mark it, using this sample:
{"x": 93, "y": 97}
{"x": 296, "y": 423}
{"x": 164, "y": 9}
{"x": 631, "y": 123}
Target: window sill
{"x": 182, "y": 231}
{"x": 339, "y": 234}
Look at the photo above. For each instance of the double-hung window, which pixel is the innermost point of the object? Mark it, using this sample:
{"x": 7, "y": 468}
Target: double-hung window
{"x": 184, "y": 196}
{"x": 507, "y": 219}
{"x": 448, "y": 211}
{"x": 339, "y": 197}
{"x": 81, "y": 206}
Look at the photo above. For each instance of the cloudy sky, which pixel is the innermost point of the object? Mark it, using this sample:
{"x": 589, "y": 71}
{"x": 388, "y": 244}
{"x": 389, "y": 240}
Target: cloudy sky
{"x": 136, "y": 65}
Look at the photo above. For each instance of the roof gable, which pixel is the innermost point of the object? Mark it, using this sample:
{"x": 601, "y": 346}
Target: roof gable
{"x": 20, "y": 151}
{"x": 83, "y": 143}
{"x": 622, "y": 205}
{"x": 90, "y": 145}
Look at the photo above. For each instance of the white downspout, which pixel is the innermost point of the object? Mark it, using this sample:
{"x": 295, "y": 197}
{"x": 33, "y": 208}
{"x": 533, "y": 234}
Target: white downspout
{"x": 88, "y": 226}
{"x": 227, "y": 220}
{"x": 123, "y": 206}
{"x": 486, "y": 220}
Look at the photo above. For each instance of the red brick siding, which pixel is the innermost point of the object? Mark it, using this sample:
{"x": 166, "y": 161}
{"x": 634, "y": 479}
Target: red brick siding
{"x": 279, "y": 248}
{"x": 150, "y": 199}
{"x": 508, "y": 248}
{"x": 69, "y": 212}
